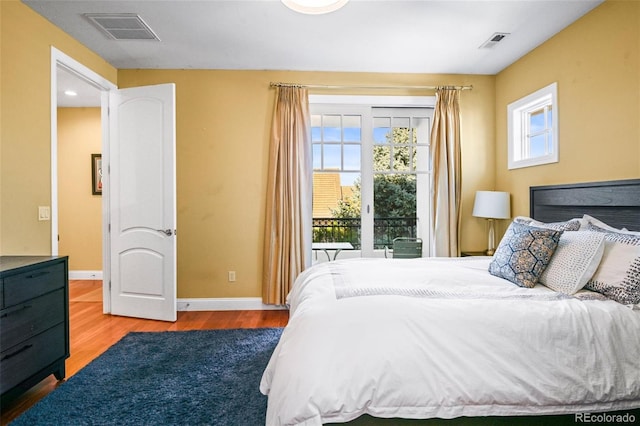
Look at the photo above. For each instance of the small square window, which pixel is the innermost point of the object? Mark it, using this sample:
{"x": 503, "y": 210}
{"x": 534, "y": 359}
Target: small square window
{"x": 533, "y": 129}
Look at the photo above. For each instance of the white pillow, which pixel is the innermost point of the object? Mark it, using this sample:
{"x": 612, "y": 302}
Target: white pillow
{"x": 586, "y": 220}
{"x": 574, "y": 262}
{"x": 618, "y": 275}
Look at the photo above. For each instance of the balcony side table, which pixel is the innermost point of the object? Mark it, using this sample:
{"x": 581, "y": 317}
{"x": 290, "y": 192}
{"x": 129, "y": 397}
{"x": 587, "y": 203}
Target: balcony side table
{"x": 336, "y": 247}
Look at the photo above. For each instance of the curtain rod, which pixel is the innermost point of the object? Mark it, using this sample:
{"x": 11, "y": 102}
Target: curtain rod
{"x": 325, "y": 86}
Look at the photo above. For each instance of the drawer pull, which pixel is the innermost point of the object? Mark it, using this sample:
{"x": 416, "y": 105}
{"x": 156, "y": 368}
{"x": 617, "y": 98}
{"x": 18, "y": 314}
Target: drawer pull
{"x": 13, "y": 310}
{"x": 24, "y": 348}
{"x": 38, "y": 274}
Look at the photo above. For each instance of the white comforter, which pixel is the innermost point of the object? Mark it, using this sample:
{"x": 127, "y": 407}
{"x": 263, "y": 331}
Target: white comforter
{"x": 425, "y": 338}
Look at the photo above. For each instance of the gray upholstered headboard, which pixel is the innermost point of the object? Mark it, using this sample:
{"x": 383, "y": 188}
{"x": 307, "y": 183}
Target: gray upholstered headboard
{"x": 617, "y": 203}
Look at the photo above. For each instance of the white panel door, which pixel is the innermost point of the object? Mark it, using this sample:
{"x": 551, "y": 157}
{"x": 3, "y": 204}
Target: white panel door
{"x": 142, "y": 205}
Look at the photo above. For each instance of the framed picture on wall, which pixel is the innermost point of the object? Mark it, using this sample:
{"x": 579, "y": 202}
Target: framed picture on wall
{"x": 96, "y": 174}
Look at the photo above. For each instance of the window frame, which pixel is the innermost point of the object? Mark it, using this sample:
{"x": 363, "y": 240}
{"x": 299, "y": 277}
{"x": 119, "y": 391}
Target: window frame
{"x": 518, "y": 120}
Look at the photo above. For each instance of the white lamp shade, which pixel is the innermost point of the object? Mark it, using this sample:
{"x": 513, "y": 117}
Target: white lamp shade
{"x": 314, "y": 7}
{"x": 492, "y": 205}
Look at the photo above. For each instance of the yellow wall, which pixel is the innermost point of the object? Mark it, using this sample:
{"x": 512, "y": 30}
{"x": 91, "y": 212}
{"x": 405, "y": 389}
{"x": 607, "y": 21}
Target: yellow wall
{"x": 80, "y": 212}
{"x": 223, "y": 124}
{"x": 25, "y": 126}
{"x": 596, "y": 63}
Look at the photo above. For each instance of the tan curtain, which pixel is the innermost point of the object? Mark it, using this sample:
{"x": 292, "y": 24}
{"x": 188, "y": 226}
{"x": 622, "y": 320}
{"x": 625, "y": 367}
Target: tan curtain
{"x": 445, "y": 140}
{"x": 287, "y": 235}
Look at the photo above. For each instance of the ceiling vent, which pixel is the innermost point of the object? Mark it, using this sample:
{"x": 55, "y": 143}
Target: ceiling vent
{"x": 493, "y": 40}
{"x": 122, "y": 26}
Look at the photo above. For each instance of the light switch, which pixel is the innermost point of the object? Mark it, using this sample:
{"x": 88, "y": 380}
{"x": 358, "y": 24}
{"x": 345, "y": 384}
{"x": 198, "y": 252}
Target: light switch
{"x": 44, "y": 213}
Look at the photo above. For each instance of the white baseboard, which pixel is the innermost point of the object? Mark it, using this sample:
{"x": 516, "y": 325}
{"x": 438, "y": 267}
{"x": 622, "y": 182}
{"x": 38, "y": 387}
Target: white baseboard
{"x": 200, "y": 304}
{"x": 226, "y": 304}
{"x": 85, "y": 275}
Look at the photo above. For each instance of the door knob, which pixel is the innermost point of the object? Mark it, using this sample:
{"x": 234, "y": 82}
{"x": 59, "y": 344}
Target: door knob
{"x": 167, "y": 232}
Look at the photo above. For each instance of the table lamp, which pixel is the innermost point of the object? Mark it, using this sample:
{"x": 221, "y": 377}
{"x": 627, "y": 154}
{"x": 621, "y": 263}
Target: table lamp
{"x": 492, "y": 205}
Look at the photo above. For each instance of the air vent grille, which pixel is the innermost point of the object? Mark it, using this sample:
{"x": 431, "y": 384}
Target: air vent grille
{"x": 493, "y": 40}
{"x": 122, "y": 26}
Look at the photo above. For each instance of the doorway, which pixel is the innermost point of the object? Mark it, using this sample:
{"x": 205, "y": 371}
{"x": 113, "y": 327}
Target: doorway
{"x": 135, "y": 123}
{"x": 79, "y": 199}
{"x": 95, "y": 91}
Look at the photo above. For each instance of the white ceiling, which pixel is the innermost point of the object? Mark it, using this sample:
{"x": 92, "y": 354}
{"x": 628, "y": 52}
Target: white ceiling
{"x": 391, "y": 36}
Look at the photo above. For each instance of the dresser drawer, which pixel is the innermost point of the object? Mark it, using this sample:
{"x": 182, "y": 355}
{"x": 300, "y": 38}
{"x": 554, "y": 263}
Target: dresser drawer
{"x": 29, "y": 318}
{"x": 31, "y": 356}
{"x": 27, "y": 285}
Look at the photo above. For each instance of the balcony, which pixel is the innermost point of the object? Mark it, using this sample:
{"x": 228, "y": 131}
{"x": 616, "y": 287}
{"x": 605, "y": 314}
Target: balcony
{"x": 385, "y": 229}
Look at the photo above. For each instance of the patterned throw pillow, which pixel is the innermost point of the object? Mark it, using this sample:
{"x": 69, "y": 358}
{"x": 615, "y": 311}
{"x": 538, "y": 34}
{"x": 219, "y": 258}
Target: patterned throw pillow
{"x": 524, "y": 253}
{"x": 568, "y": 225}
{"x": 574, "y": 262}
{"x": 618, "y": 275}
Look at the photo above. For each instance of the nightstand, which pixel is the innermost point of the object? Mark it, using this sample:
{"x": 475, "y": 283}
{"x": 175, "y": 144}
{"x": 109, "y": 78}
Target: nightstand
{"x": 472, "y": 253}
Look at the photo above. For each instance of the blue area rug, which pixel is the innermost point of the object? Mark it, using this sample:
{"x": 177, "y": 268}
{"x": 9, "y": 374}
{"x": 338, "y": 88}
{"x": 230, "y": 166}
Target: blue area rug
{"x": 204, "y": 377}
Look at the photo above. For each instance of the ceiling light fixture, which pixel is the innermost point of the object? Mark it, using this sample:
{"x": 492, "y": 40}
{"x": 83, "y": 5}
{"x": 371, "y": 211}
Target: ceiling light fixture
{"x": 70, "y": 93}
{"x": 314, "y": 7}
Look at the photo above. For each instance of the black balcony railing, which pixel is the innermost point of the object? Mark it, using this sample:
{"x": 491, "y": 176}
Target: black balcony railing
{"x": 385, "y": 229}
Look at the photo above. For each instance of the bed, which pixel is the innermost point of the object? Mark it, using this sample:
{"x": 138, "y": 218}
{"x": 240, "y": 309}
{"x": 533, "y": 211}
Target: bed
{"x": 445, "y": 338}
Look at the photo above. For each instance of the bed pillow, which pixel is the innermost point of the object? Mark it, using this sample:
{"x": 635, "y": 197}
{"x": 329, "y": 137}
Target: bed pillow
{"x": 568, "y": 225}
{"x": 618, "y": 275}
{"x": 574, "y": 262}
{"x": 590, "y": 220}
{"x": 523, "y": 253}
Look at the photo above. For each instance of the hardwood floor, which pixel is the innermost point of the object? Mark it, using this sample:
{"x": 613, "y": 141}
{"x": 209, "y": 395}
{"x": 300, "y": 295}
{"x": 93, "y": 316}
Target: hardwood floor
{"x": 92, "y": 332}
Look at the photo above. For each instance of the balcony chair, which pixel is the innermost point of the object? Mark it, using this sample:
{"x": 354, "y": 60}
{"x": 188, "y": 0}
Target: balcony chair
{"x": 405, "y": 248}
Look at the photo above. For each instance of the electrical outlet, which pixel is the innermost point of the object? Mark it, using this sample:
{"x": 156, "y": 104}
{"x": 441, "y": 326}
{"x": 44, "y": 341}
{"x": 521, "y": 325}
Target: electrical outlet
{"x": 232, "y": 276}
